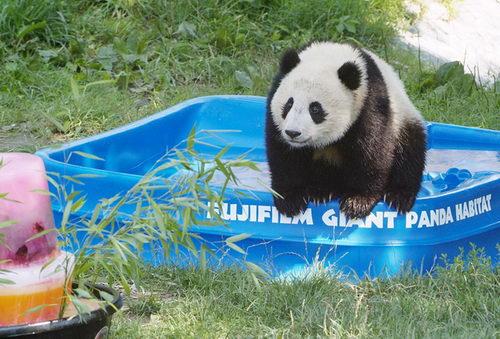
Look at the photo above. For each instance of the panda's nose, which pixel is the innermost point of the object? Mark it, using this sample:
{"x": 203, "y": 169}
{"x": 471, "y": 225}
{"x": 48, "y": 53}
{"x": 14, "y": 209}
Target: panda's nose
{"x": 292, "y": 134}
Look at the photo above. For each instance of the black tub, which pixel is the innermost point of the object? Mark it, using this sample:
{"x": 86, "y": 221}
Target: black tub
{"x": 96, "y": 325}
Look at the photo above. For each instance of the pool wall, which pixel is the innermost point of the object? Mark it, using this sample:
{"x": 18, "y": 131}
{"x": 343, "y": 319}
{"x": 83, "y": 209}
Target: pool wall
{"x": 441, "y": 222}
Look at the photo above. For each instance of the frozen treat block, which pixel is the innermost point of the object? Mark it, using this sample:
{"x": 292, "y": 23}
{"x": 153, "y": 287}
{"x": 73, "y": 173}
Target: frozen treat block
{"x": 35, "y": 291}
{"x": 25, "y": 205}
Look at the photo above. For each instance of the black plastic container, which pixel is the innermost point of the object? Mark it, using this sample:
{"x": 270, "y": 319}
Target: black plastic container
{"x": 94, "y": 326}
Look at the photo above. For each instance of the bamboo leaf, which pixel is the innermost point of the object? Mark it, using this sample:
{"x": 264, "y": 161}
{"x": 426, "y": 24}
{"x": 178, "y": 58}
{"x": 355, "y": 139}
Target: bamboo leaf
{"x": 7, "y": 223}
{"x": 47, "y": 264}
{"x": 255, "y": 280}
{"x": 191, "y": 139}
{"x": 236, "y": 248}
{"x": 4, "y": 281}
{"x": 238, "y": 237}
{"x": 256, "y": 269}
{"x": 221, "y": 153}
{"x": 221, "y": 167}
{"x": 3, "y": 196}
{"x": 67, "y": 177}
{"x": 81, "y": 307}
{"x": 65, "y": 217}
{"x": 88, "y": 175}
{"x": 77, "y": 205}
{"x": 37, "y": 308}
{"x": 203, "y": 257}
{"x": 81, "y": 293}
{"x": 41, "y": 191}
{"x": 40, "y": 234}
{"x": 106, "y": 296}
{"x": 88, "y": 155}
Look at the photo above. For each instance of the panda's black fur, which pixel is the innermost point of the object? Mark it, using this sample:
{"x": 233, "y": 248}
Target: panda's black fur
{"x": 376, "y": 164}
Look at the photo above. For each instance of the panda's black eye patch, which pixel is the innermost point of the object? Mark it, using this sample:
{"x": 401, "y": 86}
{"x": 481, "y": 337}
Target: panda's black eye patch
{"x": 317, "y": 112}
{"x": 287, "y": 107}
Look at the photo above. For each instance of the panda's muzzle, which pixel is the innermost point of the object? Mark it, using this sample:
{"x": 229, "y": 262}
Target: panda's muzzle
{"x": 292, "y": 134}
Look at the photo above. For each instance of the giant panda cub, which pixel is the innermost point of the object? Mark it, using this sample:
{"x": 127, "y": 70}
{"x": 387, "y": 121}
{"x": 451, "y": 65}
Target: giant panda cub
{"x": 339, "y": 124}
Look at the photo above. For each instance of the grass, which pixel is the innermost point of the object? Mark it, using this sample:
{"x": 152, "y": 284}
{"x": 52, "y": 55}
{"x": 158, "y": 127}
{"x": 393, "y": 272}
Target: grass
{"x": 75, "y": 68}
{"x": 460, "y": 301}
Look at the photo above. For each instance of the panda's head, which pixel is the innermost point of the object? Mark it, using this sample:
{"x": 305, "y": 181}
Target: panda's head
{"x": 320, "y": 94}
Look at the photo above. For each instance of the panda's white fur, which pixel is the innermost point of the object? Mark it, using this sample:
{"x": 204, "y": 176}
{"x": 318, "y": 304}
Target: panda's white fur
{"x": 315, "y": 79}
{"x": 401, "y": 105}
{"x": 367, "y": 142}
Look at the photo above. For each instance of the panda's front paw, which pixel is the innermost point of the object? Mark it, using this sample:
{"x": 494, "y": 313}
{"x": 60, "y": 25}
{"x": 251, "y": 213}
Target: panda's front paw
{"x": 321, "y": 195}
{"x": 402, "y": 201}
{"x": 290, "y": 206}
{"x": 357, "y": 206}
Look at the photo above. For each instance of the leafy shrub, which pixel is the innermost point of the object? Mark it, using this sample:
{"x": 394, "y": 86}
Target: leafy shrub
{"x": 449, "y": 80}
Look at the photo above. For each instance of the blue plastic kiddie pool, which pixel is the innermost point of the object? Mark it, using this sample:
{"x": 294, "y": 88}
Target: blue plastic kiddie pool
{"x": 459, "y": 202}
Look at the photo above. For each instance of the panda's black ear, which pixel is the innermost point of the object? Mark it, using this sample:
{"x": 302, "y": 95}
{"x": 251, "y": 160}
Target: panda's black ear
{"x": 289, "y": 60}
{"x": 350, "y": 75}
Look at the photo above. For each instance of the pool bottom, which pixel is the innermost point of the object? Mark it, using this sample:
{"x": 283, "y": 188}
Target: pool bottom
{"x": 446, "y": 170}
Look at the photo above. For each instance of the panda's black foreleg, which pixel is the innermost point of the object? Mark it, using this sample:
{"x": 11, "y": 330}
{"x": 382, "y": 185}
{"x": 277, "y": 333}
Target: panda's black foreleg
{"x": 290, "y": 193}
{"x": 321, "y": 187}
{"x": 290, "y": 204}
{"x": 290, "y": 174}
{"x": 358, "y": 206}
{"x": 364, "y": 186}
{"x": 408, "y": 166}
{"x": 289, "y": 181}
{"x": 362, "y": 191}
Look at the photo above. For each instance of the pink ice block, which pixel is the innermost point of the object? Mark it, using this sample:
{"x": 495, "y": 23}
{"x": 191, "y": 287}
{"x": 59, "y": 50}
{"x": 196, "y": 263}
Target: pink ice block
{"x": 23, "y": 179}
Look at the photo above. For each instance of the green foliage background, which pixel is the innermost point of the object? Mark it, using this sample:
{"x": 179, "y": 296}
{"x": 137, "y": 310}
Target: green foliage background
{"x": 74, "y": 68}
